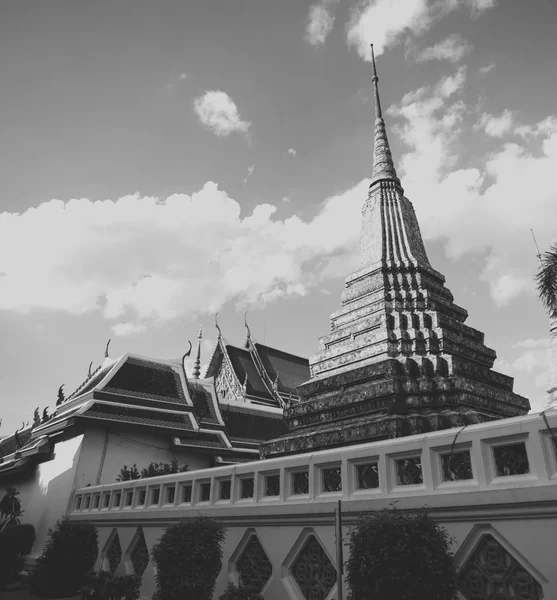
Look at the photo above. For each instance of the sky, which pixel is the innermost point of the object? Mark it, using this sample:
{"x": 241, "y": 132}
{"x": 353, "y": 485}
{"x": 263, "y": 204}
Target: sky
{"x": 160, "y": 162}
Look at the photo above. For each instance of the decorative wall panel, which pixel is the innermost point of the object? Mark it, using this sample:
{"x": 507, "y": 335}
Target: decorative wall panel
{"x": 313, "y": 571}
{"x": 253, "y": 566}
{"x": 491, "y": 573}
{"x": 140, "y": 553}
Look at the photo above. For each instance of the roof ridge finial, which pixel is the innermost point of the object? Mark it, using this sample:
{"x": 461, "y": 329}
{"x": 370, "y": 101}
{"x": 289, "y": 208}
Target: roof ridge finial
{"x": 197, "y": 364}
{"x": 219, "y": 332}
{"x": 383, "y": 166}
{"x": 248, "y": 338}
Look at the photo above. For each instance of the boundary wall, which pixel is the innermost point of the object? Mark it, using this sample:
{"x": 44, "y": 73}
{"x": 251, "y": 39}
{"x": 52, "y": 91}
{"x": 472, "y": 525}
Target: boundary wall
{"x": 492, "y": 485}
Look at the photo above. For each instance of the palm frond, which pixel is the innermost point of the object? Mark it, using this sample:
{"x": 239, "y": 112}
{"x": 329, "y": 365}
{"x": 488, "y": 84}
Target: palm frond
{"x": 546, "y": 278}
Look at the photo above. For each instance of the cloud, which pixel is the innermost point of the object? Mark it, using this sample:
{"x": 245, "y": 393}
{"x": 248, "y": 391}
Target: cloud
{"x": 321, "y": 20}
{"x": 251, "y": 170}
{"x": 453, "y": 49}
{"x": 496, "y": 126}
{"x": 386, "y": 23}
{"x": 292, "y": 152}
{"x": 485, "y": 70}
{"x": 143, "y": 260}
{"x": 486, "y": 206}
{"x": 124, "y": 329}
{"x": 217, "y": 111}
{"x": 529, "y": 361}
{"x": 182, "y": 76}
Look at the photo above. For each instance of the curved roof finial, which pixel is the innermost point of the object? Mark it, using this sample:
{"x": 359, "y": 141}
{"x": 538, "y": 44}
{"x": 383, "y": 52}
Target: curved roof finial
{"x": 188, "y": 352}
{"x": 248, "y": 339}
{"x": 383, "y": 166}
{"x": 219, "y": 332}
{"x": 89, "y": 371}
{"x": 106, "y": 349}
{"x": 197, "y": 364}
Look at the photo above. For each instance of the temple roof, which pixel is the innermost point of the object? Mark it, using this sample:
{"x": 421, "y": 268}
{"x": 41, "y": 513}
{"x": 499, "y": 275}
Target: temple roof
{"x": 258, "y": 373}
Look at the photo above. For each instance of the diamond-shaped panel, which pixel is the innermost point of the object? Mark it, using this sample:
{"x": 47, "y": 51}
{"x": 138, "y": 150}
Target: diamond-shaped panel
{"x": 253, "y": 566}
{"x": 140, "y": 553}
{"x": 491, "y": 573}
{"x": 114, "y": 552}
{"x": 313, "y": 571}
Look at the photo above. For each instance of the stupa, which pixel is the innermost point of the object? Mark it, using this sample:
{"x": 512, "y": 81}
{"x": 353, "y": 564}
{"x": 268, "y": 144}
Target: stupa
{"x": 399, "y": 358}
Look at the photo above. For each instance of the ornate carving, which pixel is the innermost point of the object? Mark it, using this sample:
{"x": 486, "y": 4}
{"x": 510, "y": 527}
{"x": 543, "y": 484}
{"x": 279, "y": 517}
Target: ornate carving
{"x": 409, "y": 471}
{"x": 226, "y": 382}
{"x": 114, "y": 552}
{"x": 456, "y": 466}
{"x": 140, "y": 553}
{"x": 246, "y": 487}
{"x": 253, "y": 566}
{"x": 313, "y": 571}
{"x": 511, "y": 459}
{"x": 272, "y": 485}
{"x": 225, "y": 489}
{"x": 367, "y": 476}
{"x": 332, "y": 480}
{"x": 491, "y": 573}
{"x": 300, "y": 482}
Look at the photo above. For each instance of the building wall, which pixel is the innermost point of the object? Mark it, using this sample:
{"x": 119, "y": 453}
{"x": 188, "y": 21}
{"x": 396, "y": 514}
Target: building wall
{"x": 507, "y": 508}
{"x": 46, "y": 491}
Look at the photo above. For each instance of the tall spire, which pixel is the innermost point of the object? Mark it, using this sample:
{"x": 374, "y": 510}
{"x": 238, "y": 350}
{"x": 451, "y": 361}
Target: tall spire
{"x": 197, "y": 363}
{"x": 383, "y": 166}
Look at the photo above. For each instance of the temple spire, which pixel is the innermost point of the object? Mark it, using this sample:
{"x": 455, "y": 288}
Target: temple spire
{"x": 383, "y": 166}
{"x": 197, "y": 363}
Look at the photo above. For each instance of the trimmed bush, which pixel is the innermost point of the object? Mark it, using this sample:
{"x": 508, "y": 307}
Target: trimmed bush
{"x": 16, "y": 543}
{"x": 103, "y": 585}
{"x": 395, "y": 554}
{"x": 188, "y": 557}
{"x": 68, "y": 557}
{"x": 239, "y": 593}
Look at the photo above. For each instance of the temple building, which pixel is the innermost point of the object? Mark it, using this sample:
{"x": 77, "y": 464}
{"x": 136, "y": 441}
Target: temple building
{"x": 399, "y": 358}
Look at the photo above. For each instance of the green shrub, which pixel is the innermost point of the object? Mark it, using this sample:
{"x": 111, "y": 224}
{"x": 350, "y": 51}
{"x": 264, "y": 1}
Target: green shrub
{"x": 394, "y": 554}
{"x": 10, "y": 508}
{"x": 188, "y": 557}
{"x": 239, "y": 593}
{"x": 103, "y": 585}
{"x": 68, "y": 557}
{"x": 153, "y": 470}
{"x": 15, "y": 544}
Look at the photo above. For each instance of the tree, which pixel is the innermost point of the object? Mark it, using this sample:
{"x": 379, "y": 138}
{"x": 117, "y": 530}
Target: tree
{"x": 10, "y": 508}
{"x": 402, "y": 556}
{"x": 153, "y": 470}
{"x": 547, "y": 281}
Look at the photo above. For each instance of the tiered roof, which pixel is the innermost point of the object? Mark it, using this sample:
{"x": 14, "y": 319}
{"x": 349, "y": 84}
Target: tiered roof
{"x": 398, "y": 359}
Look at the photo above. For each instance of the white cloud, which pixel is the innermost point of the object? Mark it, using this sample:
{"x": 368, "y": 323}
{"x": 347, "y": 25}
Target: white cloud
{"x": 292, "y": 152}
{"x": 182, "y": 76}
{"x": 124, "y": 329}
{"x": 142, "y": 260}
{"x": 217, "y": 111}
{"x": 487, "y": 207}
{"x": 251, "y": 170}
{"x": 480, "y": 6}
{"x": 386, "y": 23}
{"x": 453, "y": 49}
{"x": 485, "y": 70}
{"x": 497, "y": 126}
{"x": 531, "y": 363}
{"x": 321, "y": 19}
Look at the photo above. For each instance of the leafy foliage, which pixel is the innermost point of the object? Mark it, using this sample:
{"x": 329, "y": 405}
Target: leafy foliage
{"x": 239, "y": 593}
{"x": 68, "y": 557}
{"x": 153, "y": 470}
{"x": 103, "y": 585}
{"x": 10, "y": 508}
{"x": 188, "y": 557}
{"x": 546, "y": 279}
{"x": 394, "y": 554}
{"x": 16, "y": 543}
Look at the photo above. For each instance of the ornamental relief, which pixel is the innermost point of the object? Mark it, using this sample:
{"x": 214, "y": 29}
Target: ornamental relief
{"x": 226, "y": 383}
